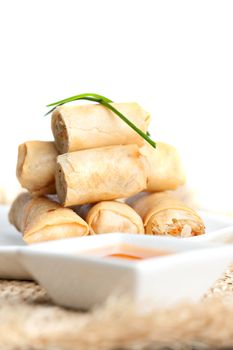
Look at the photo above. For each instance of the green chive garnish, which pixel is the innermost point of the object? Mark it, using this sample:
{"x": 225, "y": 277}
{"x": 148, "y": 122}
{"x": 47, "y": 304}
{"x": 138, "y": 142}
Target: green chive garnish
{"x": 105, "y": 102}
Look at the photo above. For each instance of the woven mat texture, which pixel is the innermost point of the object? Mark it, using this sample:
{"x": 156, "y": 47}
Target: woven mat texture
{"x": 29, "y": 320}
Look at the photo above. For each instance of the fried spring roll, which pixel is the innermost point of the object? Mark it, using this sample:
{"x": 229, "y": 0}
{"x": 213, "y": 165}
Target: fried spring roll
{"x": 40, "y": 219}
{"x": 99, "y": 174}
{"x": 36, "y": 167}
{"x": 89, "y": 126}
{"x": 111, "y": 216}
{"x": 163, "y": 214}
{"x": 164, "y": 167}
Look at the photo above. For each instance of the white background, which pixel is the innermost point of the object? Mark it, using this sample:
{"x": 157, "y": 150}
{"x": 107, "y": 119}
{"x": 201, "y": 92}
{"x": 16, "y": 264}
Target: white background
{"x": 173, "y": 57}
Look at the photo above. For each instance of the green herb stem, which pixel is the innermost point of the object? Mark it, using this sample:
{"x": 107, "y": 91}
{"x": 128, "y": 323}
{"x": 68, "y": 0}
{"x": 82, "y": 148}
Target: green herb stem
{"x": 79, "y": 97}
{"x": 104, "y": 101}
{"x": 127, "y": 121}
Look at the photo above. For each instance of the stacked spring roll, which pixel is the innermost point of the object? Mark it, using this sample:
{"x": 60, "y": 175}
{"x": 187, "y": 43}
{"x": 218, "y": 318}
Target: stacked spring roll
{"x": 95, "y": 160}
{"x": 35, "y": 167}
{"x": 85, "y": 127}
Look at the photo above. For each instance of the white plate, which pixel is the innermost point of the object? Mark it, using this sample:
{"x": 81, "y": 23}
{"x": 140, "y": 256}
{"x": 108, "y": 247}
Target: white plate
{"x": 82, "y": 281}
{"x": 219, "y": 230}
{"x": 10, "y": 244}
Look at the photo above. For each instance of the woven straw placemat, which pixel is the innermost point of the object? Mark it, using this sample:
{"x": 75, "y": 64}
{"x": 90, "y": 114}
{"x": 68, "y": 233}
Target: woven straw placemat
{"x": 30, "y": 320}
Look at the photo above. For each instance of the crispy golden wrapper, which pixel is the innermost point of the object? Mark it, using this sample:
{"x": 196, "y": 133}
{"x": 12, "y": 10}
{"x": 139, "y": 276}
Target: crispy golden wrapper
{"x": 99, "y": 174}
{"x": 112, "y": 216}
{"x": 89, "y": 126}
{"x": 36, "y": 167}
{"x": 40, "y": 219}
{"x": 164, "y": 168}
{"x": 164, "y": 214}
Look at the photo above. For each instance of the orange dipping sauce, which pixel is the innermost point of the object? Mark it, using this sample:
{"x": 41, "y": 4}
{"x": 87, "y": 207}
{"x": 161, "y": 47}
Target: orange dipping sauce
{"x": 127, "y": 252}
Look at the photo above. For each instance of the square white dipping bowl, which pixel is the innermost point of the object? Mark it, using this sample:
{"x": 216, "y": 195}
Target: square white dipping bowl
{"x": 82, "y": 280}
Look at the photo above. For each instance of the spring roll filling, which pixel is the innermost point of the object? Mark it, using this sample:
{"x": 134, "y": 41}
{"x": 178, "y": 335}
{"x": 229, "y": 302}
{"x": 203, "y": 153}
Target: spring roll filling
{"x": 60, "y": 183}
{"x": 176, "y": 223}
{"x": 62, "y": 139}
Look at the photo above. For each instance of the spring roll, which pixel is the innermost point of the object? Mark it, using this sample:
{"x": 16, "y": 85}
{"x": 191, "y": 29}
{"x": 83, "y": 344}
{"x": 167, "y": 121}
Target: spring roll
{"x": 99, "y": 174}
{"x": 36, "y": 167}
{"x": 112, "y": 216}
{"x": 89, "y": 126}
{"x": 164, "y": 167}
{"x": 40, "y": 219}
{"x": 163, "y": 214}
